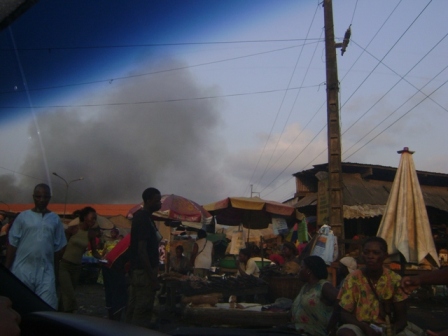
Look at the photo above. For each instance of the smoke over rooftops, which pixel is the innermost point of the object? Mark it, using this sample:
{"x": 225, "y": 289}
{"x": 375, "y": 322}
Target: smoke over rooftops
{"x": 122, "y": 149}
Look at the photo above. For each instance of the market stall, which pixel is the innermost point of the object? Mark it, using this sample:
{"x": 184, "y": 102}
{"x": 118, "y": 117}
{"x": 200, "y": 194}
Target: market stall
{"x": 191, "y": 286}
{"x": 244, "y": 316}
{"x": 222, "y": 301}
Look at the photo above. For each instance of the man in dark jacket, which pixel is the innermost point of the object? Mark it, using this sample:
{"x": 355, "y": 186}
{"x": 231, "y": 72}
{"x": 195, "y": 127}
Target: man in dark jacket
{"x": 144, "y": 260}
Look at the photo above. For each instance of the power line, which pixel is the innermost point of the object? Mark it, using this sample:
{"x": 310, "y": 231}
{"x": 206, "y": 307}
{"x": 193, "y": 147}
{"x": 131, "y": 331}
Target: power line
{"x": 351, "y": 69}
{"x": 413, "y": 67}
{"x": 303, "y": 167}
{"x": 343, "y": 78}
{"x": 110, "y": 80}
{"x": 234, "y": 95}
{"x": 419, "y": 90}
{"x": 426, "y": 97}
{"x": 380, "y": 62}
{"x": 298, "y": 135}
{"x": 117, "y": 46}
{"x": 161, "y": 101}
{"x": 278, "y": 111}
{"x": 376, "y": 136}
{"x": 371, "y": 40}
{"x": 293, "y": 159}
{"x": 390, "y": 49}
{"x": 354, "y": 11}
{"x": 295, "y": 100}
{"x": 281, "y": 185}
{"x": 17, "y": 173}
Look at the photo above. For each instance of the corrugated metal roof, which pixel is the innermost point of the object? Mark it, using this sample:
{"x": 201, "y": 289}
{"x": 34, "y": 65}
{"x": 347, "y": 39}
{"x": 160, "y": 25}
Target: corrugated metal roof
{"x": 367, "y": 198}
{"x": 436, "y": 197}
{"x": 363, "y": 211}
{"x": 310, "y": 199}
{"x": 357, "y": 191}
{"x": 374, "y": 172}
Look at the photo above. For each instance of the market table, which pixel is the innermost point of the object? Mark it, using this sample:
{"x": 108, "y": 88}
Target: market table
{"x": 226, "y": 286}
{"x": 250, "y": 315}
{"x": 259, "y": 292}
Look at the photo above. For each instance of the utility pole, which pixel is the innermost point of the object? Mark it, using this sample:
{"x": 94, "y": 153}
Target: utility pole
{"x": 336, "y": 218}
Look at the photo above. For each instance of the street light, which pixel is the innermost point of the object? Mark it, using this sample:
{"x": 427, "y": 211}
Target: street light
{"x": 67, "y": 184}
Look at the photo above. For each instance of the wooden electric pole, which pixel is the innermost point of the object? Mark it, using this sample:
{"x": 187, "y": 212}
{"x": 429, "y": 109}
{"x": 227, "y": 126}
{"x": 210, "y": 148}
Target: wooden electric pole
{"x": 335, "y": 216}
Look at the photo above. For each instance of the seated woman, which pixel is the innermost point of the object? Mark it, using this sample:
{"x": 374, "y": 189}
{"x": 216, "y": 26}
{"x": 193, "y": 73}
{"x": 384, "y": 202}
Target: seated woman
{"x": 291, "y": 263}
{"x": 289, "y": 252}
{"x": 363, "y": 290}
{"x": 246, "y": 265}
{"x": 180, "y": 263}
{"x": 313, "y": 307}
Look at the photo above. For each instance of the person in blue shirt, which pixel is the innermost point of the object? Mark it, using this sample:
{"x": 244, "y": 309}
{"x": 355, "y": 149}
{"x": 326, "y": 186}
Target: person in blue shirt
{"x": 35, "y": 240}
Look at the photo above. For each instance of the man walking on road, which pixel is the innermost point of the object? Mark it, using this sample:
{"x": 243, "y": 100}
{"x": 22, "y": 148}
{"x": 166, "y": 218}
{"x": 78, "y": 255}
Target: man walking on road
{"x": 35, "y": 242}
{"x": 144, "y": 259}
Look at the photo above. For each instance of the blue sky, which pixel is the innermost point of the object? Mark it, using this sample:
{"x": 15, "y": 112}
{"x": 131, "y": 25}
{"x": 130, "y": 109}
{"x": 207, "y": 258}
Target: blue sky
{"x": 206, "y": 98}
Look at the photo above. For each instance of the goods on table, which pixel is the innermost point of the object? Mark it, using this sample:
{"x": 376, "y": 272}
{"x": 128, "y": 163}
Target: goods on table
{"x": 218, "y": 284}
{"x": 201, "y": 300}
{"x": 289, "y": 267}
{"x": 247, "y": 315}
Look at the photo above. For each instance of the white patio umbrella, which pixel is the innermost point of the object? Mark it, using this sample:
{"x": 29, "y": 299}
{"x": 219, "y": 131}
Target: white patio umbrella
{"x": 405, "y": 224}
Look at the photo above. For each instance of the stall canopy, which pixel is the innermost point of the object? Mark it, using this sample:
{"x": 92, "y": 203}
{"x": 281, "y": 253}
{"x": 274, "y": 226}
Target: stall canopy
{"x": 121, "y": 222}
{"x": 180, "y": 209}
{"x": 405, "y": 224}
{"x": 251, "y": 212}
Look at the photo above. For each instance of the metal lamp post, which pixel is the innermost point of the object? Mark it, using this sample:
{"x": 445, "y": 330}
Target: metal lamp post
{"x": 67, "y": 184}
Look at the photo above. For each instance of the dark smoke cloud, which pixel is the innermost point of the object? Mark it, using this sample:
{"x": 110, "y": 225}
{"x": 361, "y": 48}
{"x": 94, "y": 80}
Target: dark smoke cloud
{"x": 9, "y": 190}
{"x": 121, "y": 150}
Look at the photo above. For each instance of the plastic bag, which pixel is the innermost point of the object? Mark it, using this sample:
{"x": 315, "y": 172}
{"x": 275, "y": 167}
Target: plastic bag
{"x": 326, "y": 245}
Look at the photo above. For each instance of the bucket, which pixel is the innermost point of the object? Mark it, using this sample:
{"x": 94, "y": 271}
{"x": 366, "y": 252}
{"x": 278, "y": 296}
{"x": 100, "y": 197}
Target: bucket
{"x": 229, "y": 261}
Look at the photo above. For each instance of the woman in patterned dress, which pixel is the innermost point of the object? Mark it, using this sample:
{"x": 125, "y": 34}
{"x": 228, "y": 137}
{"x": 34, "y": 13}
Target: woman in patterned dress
{"x": 313, "y": 307}
{"x": 362, "y": 291}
